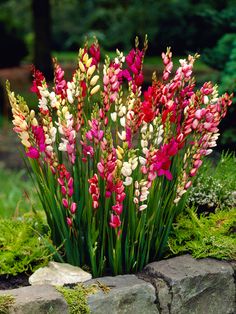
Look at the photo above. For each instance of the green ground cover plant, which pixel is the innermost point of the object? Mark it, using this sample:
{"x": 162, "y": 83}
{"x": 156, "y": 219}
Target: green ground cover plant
{"x": 205, "y": 236}
{"x": 76, "y": 297}
{"x": 5, "y": 303}
{"x": 213, "y": 188}
{"x": 24, "y": 245}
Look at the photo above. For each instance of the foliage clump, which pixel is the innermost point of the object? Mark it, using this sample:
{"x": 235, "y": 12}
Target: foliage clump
{"x": 205, "y": 236}
{"x": 5, "y": 302}
{"x": 213, "y": 188}
{"x": 22, "y": 247}
{"x": 76, "y": 298}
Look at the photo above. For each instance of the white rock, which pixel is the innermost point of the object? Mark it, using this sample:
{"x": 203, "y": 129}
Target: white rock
{"x": 58, "y": 274}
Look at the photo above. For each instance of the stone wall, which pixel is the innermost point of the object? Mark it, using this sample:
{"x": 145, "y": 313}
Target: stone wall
{"x": 180, "y": 285}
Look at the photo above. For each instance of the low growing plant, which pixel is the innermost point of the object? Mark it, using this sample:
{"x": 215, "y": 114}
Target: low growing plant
{"x": 213, "y": 188}
{"x": 76, "y": 297}
{"x": 6, "y": 301}
{"x": 111, "y": 164}
{"x": 23, "y": 248}
{"x": 205, "y": 236}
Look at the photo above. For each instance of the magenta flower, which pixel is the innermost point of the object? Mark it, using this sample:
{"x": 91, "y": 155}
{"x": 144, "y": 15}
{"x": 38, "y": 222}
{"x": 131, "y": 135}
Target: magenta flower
{"x": 33, "y": 153}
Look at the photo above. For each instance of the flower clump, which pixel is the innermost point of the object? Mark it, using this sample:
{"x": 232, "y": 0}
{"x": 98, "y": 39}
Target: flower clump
{"x": 116, "y": 160}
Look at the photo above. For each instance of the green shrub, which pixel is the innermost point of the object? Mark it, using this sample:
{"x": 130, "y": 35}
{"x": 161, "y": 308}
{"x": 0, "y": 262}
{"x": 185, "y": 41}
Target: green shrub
{"x": 211, "y": 236}
{"x": 213, "y": 188}
{"x": 23, "y": 248}
{"x": 218, "y": 56}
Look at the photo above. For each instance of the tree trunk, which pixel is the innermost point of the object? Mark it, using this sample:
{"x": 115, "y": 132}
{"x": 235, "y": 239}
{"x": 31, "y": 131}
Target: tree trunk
{"x": 41, "y": 10}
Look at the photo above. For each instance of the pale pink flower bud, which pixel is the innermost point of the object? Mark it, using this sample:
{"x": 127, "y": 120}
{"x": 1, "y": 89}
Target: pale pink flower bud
{"x": 105, "y": 80}
{"x": 193, "y": 172}
{"x": 142, "y": 207}
{"x": 198, "y": 114}
{"x": 187, "y": 185}
{"x": 69, "y": 221}
{"x": 195, "y": 124}
{"x": 197, "y": 163}
{"x": 65, "y": 202}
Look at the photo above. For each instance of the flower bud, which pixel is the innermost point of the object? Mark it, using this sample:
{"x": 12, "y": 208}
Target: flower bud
{"x": 95, "y": 90}
{"x": 88, "y": 63}
{"x": 91, "y": 71}
{"x": 81, "y": 66}
{"x": 94, "y": 80}
{"x": 142, "y": 207}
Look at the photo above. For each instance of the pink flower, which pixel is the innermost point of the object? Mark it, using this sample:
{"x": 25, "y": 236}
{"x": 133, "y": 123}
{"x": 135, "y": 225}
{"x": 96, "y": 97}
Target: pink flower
{"x": 118, "y": 208}
{"x": 65, "y": 202}
{"x": 60, "y": 83}
{"x": 115, "y": 221}
{"x": 69, "y": 221}
{"x": 33, "y": 153}
{"x": 73, "y": 208}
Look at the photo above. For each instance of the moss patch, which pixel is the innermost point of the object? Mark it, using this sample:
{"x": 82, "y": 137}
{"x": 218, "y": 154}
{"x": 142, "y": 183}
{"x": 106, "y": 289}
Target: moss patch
{"x": 76, "y": 298}
{"x": 6, "y": 301}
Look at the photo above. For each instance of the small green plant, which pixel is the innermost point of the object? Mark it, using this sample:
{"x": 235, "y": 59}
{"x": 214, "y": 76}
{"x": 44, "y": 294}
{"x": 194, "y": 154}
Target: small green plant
{"x": 23, "y": 248}
{"x": 5, "y": 302}
{"x": 205, "y": 236}
{"x": 213, "y": 187}
{"x": 77, "y": 298}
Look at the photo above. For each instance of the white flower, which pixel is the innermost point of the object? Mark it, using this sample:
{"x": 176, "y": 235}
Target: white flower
{"x": 123, "y": 121}
{"x": 142, "y": 160}
{"x": 128, "y": 181}
{"x": 205, "y": 100}
{"x": 150, "y": 128}
{"x": 144, "y": 143}
{"x": 122, "y": 136}
{"x": 63, "y": 146}
{"x": 69, "y": 96}
{"x": 126, "y": 170}
{"x": 144, "y": 128}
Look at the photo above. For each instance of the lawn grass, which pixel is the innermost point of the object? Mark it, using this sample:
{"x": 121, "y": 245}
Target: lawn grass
{"x": 17, "y": 194}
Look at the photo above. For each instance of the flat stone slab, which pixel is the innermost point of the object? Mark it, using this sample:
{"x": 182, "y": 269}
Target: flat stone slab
{"x": 59, "y": 274}
{"x": 188, "y": 286}
{"x": 43, "y": 299}
{"x": 127, "y": 294}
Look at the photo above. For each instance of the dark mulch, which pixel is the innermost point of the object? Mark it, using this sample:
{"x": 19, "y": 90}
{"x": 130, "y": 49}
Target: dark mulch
{"x": 13, "y": 282}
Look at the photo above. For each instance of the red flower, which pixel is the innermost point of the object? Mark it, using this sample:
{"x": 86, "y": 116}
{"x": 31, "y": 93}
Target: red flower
{"x": 38, "y": 79}
{"x": 94, "y": 51}
{"x": 115, "y": 221}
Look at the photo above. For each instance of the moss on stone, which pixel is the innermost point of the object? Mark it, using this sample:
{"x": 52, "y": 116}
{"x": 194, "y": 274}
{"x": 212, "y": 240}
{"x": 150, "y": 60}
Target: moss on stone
{"x": 5, "y": 303}
{"x": 76, "y": 297}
